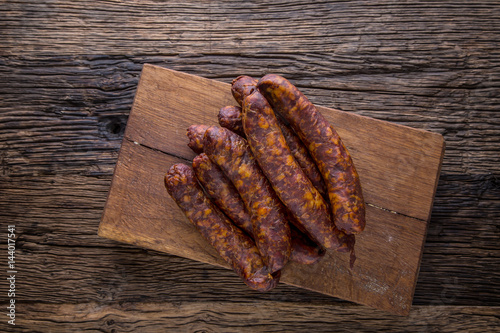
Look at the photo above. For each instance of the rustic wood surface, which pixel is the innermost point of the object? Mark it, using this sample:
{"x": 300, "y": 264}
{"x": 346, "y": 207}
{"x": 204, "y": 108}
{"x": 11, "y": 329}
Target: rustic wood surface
{"x": 68, "y": 74}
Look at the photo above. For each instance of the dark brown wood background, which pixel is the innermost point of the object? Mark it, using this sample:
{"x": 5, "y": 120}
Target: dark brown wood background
{"x": 68, "y": 74}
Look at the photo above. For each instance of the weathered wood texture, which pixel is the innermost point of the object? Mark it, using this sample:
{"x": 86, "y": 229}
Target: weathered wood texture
{"x": 68, "y": 74}
{"x": 262, "y": 316}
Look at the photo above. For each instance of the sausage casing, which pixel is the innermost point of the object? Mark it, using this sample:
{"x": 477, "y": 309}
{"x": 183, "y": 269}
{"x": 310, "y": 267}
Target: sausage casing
{"x": 303, "y": 158}
{"x": 222, "y": 192}
{"x": 243, "y": 86}
{"x": 226, "y": 197}
{"x": 271, "y": 230}
{"x": 195, "y": 135}
{"x": 326, "y": 148}
{"x": 230, "y": 118}
{"x": 285, "y": 175}
{"x": 234, "y": 246}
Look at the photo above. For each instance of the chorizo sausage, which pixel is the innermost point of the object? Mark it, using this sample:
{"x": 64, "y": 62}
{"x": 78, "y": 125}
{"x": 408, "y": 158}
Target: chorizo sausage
{"x": 222, "y": 192}
{"x": 234, "y": 246}
{"x": 230, "y": 118}
{"x": 195, "y": 136}
{"x": 270, "y": 228}
{"x": 303, "y": 158}
{"x": 326, "y": 148}
{"x": 243, "y": 86}
{"x": 227, "y": 199}
{"x": 285, "y": 175}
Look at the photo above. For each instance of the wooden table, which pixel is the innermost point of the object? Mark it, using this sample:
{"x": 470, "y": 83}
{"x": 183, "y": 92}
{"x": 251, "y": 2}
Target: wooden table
{"x": 68, "y": 74}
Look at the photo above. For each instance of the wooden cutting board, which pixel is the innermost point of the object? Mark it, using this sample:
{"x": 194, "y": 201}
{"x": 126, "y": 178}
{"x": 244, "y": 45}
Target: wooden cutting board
{"x": 398, "y": 166}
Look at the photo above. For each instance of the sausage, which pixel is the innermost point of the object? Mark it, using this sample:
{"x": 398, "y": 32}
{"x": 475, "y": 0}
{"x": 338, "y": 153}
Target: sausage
{"x": 230, "y": 118}
{"x": 234, "y": 246}
{"x": 270, "y": 228}
{"x": 227, "y": 199}
{"x": 243, "y": 86}
{"x": 326, "y": 148}
{"x": 222, "y": 192}
{"x": 303, "y": 158}
{"x": 195, "y": 136}
{"x": 285, "y": 175}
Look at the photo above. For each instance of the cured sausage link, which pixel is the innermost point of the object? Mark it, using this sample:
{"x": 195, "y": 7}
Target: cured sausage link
{"x": 270, "y": 228}
{"x": 222, "y": 192}
{"x": 234, "y": 246}
{"x": 226, "y": 197}
{"x": 285, "y": 175}
{"x": 326, "y": 148}
{"x": 303, "y": 158}
{"x": 195, "y": 135}
{"x": 230, "y": 118}
{"x": 243, "y": 86}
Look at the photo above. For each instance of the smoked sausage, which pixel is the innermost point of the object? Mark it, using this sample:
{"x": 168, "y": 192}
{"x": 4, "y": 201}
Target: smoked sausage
{"x": 243, "y": 86}
{"x": 303, "y": 158}
{"x": 326, "y": 148}
{"x": 269, "y": 217}
{"x": 222, "y": 192}
{"x": 234, "y": 246}
{"x": 285, "y": 175}
{"x": 226, "y": 197}
{"x": 195, "y": 135}
{"x": 230, "y": 118}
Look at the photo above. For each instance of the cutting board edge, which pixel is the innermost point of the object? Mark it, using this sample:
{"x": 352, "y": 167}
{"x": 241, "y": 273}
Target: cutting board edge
{"x": 436, "y": 181}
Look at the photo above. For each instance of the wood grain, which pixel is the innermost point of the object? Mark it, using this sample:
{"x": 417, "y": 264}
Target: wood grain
{"x": 389, "y": 251}
{"x": 270, "y": 316}
{"x": 68, "y": 74}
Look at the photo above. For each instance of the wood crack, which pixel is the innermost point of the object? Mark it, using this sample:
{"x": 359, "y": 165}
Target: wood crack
{"x": 156, "y": 149}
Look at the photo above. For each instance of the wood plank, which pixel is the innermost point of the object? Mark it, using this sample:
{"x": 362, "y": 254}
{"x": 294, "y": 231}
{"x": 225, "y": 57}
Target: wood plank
{"x": 65, "y": 252}
{"x": 139, "y": 211}
{"x": 262, "y": 316}
{"x": 195, "y": 27}
{"x": 58, "y": 245}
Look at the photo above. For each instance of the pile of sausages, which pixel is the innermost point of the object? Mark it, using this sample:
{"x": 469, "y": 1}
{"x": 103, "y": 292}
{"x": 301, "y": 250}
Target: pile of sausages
{"x": 272, "y": 183}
